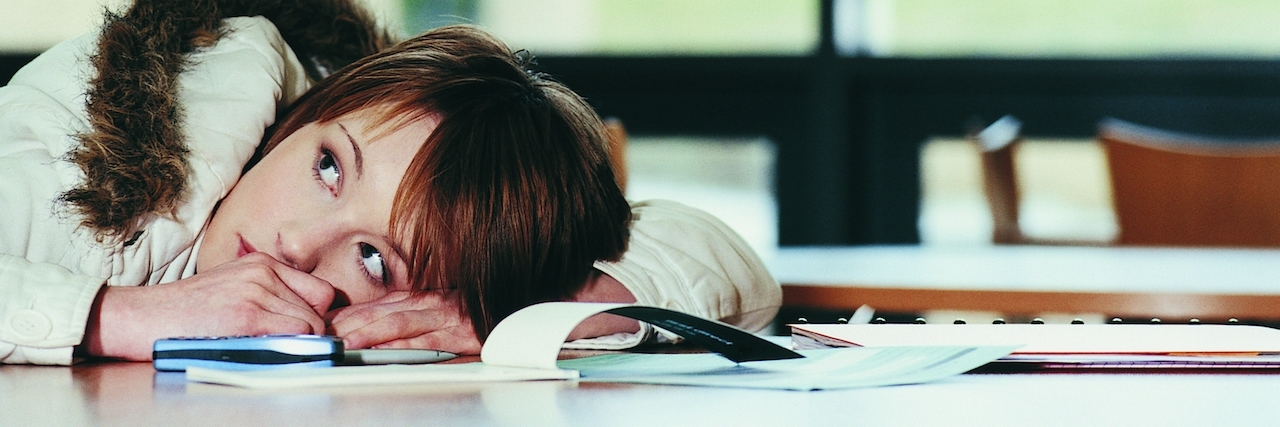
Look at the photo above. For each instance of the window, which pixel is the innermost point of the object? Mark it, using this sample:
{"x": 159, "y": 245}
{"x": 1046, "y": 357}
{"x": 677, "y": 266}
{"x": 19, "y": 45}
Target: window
{"x": 634, "y": 27}
{"x": 1058, "y": 28}
{"x": 31, "y": 26}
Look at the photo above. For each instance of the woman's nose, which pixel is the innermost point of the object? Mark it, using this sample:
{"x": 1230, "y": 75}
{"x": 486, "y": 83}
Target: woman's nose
{"x": 301, "y": 243}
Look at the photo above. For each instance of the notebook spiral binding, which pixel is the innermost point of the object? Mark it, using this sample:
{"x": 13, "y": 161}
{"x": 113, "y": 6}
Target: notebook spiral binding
{"x": 1033, "y": 321}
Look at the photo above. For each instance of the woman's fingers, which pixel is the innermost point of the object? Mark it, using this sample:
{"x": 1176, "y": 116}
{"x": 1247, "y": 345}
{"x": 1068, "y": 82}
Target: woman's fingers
{"x": 400, "y": 314}
{"x": 423, "y": 320}
{"x": 390, "y": 327}
{"x": 288, "y": 284}
{"x": 459, "y": 340}
{"x": 393, "y": 301}
{"x": 314, "y": 291}
{"x": 268, "y": 308}
{"x": 270, "y": 286}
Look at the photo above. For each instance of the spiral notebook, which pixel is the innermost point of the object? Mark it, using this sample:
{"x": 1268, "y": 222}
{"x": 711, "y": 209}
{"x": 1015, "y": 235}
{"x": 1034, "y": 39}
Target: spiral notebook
{"x": 1072, "y": 346}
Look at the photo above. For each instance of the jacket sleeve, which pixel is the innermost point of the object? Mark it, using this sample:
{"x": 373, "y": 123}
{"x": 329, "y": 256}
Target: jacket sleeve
{"x": 684, "y": 259}
{"x": 44, "y": 308}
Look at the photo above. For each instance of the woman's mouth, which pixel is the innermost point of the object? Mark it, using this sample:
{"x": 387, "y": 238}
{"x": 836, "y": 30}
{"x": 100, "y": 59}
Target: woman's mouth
{"x": 245, "y": 248}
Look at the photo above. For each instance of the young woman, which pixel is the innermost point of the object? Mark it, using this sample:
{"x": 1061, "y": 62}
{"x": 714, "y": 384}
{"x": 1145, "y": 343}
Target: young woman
{"x": 411, "y": 199}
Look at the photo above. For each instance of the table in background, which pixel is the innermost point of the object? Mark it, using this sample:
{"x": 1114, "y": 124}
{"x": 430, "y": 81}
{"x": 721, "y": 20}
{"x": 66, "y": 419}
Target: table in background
{"x": 1169, "y": 283}
{"x": 133, "y": 394}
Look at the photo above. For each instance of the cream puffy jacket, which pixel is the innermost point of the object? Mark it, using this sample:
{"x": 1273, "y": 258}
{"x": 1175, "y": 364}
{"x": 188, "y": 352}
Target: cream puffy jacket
{"x": 51, "y": 269}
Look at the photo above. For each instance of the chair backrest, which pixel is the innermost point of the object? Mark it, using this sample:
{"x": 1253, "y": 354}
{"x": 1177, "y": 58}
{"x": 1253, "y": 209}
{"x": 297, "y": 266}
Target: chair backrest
{"x": 1191, "y": 190}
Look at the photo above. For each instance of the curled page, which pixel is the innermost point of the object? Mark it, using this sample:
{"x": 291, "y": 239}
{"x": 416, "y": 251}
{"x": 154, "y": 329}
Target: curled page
{"x": 532, "y": 337}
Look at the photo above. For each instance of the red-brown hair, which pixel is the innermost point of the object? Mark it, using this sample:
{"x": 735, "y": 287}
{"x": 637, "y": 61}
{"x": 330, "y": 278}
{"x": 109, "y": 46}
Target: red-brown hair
{"x": 511, "y": 198}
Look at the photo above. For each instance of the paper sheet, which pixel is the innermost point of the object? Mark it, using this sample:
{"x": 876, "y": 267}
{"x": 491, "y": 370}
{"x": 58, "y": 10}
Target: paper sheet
{"x": 819, "y": 370}
{"x": 374, "y": 375}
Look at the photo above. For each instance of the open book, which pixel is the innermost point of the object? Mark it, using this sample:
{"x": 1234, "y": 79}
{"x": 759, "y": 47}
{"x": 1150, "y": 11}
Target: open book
{"x": 525, "y": 346}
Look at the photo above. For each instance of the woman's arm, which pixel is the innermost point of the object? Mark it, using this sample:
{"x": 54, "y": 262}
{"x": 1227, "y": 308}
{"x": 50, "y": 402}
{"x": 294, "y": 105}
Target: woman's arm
{"x": 687, "y": 260}
{"x": 253, "y": 295}
{"x": 604, "y": 288}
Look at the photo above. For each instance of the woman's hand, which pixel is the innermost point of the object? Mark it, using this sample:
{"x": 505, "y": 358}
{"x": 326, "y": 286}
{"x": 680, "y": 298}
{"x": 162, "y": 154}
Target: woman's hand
{"x": 404, "y": 319}
{"x": 430, "y": 319}
{"x": 252, "y": 295}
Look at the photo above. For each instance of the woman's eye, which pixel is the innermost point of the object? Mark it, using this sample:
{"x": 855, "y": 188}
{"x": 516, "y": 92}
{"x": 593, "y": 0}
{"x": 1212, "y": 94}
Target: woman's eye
{"x": 373, "y": 264}
{"x": 327, "y": 169}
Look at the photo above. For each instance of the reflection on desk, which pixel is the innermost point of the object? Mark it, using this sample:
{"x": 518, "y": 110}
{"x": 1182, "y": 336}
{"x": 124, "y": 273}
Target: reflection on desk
{"x": 133, "y": 394}
{"x": 1118, "y": 281}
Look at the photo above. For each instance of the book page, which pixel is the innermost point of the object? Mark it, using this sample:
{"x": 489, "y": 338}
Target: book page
{"x": 818, "y": 370}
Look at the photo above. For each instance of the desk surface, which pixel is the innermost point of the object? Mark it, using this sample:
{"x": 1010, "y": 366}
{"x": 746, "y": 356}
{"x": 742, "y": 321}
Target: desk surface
{"x": 133, "y": 394}
{"x": 1154, "y": 282}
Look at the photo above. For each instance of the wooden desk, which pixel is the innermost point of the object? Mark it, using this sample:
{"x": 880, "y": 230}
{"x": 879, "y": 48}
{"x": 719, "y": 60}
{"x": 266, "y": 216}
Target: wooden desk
{"x": 1169, "y": 283}
{"x": 132, "y": 394}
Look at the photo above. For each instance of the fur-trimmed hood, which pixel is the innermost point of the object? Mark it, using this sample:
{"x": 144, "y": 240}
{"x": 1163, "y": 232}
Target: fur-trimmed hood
{"x": 135, "y": 158}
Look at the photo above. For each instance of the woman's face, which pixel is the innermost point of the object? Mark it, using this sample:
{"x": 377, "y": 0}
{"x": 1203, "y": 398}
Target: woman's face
{"x": 321, "y": 202}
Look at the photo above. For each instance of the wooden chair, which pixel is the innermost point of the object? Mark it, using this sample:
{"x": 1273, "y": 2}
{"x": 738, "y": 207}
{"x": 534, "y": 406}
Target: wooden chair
{"x": 996, "y": 144}
{"x": 1177, "y": 189}
{"x": 1168, "y": 188}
